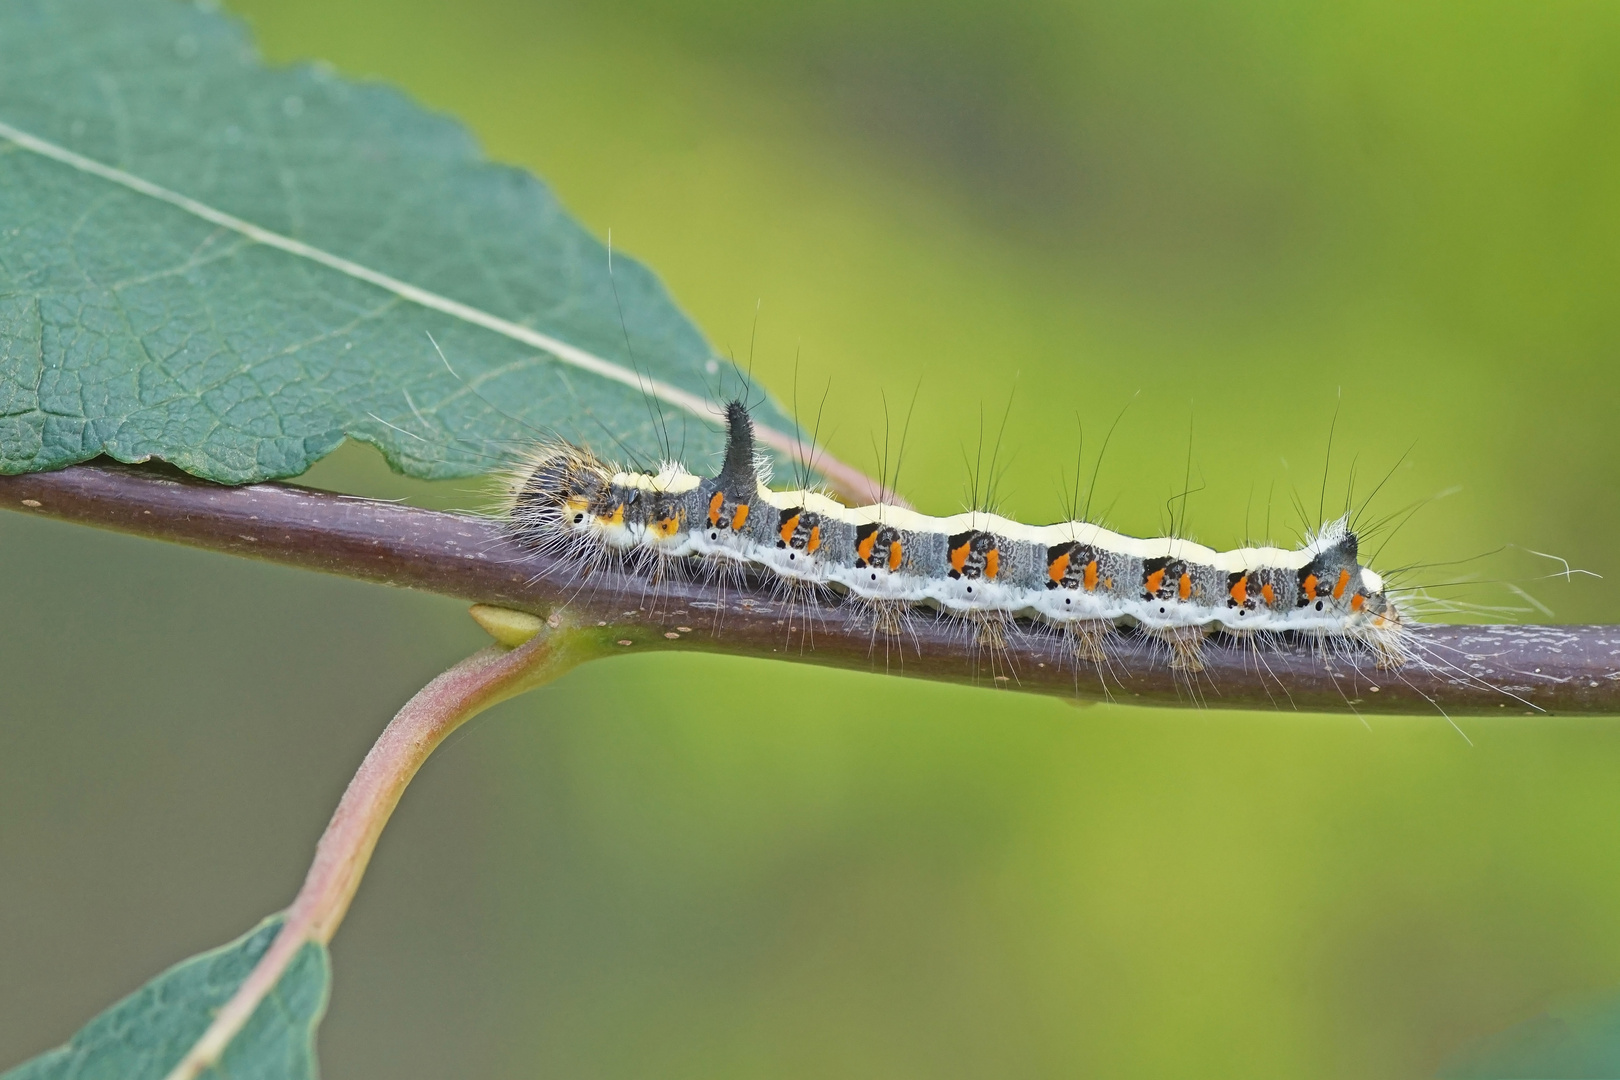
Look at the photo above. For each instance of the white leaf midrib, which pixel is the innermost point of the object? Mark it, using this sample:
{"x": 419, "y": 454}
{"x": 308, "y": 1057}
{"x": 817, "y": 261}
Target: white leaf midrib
{"x": 561, "y": 350}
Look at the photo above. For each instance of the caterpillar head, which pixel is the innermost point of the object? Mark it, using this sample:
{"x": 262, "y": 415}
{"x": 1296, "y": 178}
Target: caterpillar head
{"x": 564, "y": 492}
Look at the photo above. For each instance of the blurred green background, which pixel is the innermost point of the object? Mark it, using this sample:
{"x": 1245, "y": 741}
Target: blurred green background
{"x": 1248, "y": 212}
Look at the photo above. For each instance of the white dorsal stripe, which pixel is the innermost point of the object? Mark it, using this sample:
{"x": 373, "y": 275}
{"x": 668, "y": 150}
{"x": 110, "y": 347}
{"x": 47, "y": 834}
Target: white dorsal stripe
{"x": 562, "y": 350}
{"x": 1064, "y": 532}
{"x": 719, "y": 526}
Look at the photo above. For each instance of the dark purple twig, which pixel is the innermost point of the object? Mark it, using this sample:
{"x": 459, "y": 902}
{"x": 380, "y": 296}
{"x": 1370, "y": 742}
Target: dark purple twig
{"x": 1469, "y": 669}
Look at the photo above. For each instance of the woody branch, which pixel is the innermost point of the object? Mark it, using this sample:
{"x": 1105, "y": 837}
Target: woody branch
{"x": 1464, "y": 669}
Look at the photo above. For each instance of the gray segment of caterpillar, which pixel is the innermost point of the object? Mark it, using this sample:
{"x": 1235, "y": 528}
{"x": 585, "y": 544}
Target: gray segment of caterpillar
{"x": 976, "y": 570}
{"x": 1157, "y": 587}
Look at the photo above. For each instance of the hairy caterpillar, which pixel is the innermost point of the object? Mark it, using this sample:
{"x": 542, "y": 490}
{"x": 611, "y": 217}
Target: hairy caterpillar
{"x": 977, "y": 566}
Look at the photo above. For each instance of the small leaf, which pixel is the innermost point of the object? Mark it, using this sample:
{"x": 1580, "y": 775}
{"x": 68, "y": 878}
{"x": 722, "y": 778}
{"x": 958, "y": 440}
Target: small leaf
{"x": 143, "y": 1036}
{"x": 1570, "y": 1042}
{"x": 232, "y": 267}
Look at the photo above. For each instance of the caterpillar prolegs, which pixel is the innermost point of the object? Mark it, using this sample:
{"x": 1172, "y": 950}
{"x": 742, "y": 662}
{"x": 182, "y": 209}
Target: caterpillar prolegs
{"x": 1074, "y": 575}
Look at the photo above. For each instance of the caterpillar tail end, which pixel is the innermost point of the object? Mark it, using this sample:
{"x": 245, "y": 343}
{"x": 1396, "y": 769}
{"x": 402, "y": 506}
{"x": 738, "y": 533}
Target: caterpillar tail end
{"x": 1387, "y": 639}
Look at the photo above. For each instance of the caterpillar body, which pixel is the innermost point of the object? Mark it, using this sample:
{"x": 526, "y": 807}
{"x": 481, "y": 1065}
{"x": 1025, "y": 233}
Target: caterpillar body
{"x": 1075, "y": 576}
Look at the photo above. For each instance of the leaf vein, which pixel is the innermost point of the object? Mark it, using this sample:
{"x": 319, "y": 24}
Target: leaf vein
{"x": 562, "y": 350}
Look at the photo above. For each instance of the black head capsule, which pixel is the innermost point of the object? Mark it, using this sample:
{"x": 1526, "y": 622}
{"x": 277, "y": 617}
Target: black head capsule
{"x": 568, "y": 483}
{"x": 564, "y": 494}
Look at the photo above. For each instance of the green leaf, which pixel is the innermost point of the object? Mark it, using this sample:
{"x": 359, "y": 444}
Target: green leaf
{"x": 232, "y": 267}
{"x": 1581, "y": 1039}
{"x": 143, "y": 1036}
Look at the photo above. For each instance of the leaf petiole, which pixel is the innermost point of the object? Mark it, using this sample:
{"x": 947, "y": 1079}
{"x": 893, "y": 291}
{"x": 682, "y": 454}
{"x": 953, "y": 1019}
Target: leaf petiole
{"x": 491, "y": 675}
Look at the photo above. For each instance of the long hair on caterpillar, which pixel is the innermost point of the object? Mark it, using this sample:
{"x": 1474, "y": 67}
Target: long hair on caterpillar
{"x": 974, "y": 566}
{"x": 1089, "y": 595}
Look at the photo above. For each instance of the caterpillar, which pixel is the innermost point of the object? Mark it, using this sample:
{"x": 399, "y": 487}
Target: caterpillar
{"x": 1074, "y": 576}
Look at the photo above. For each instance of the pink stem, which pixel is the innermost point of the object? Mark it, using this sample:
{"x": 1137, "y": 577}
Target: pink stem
{"x": 485, "y": 678}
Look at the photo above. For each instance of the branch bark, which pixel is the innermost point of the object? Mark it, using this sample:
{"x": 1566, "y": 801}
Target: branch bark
{"x": 1469, "y": 669}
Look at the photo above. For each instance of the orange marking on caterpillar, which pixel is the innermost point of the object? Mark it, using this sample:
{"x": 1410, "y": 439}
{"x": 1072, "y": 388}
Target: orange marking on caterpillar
{"x": 615, "y": 518}
{"x": 1357, "y": 602}
{"x": 895, "y": 553}
{"x": 864, "y": 548}
{"x": 1342, "y": 584}
{"x": 1184, "y": 586}
{"x": 1153, "y": 582}
{"x": 1058, "y": 568}
{"x": 814, "y": 541}
{"x": 1269, "y": 594}
{"x": 666, "y": 527}
{"x": 789, "y": 527}
{"x": 959, "y": 558}
{"x": 739, "y": 518}
{"x": 992, "y": 563}
{"x": 1309, "y": 586}
{"x": 1240, "y": 591}
{"x": 1091, "y": 576}
{"x": 714, "y": 507}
